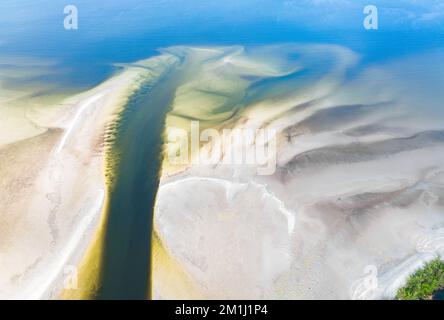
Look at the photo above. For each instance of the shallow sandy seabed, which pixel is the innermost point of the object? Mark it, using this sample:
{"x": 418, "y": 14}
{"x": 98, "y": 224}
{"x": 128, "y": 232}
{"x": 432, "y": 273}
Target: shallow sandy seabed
{"x": 53, "y": 184}
{"x": 358, "y": 189}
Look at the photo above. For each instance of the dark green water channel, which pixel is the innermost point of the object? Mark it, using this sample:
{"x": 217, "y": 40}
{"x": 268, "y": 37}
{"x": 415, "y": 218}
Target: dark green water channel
{"x": 126, "y": 264}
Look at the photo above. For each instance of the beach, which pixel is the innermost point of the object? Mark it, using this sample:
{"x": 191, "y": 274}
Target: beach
{"x": 353, "y": 179}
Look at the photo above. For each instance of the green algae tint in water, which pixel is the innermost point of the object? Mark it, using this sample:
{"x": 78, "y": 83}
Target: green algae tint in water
{"x": 126, "y": 263}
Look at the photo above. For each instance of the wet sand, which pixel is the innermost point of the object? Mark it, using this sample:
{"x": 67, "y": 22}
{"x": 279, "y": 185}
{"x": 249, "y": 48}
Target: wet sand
{"x": 358, "y": 181}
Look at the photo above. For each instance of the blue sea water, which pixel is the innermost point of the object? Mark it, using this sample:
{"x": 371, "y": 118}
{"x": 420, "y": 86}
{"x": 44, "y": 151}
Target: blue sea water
{"x": 118, "y": 31}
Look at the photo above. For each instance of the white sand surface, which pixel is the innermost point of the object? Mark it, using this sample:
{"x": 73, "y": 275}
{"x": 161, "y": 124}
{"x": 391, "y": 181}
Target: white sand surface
{"x": 357, "y": 191}
{"x": 52, "y": 185}
{"x": 357, "y": 197}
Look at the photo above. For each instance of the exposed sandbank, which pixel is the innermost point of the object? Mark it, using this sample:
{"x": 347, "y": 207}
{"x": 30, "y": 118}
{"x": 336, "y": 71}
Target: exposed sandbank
{"x": 359, "y": 179}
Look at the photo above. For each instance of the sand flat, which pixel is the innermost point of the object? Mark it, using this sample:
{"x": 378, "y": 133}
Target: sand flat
{"x": 338, "y": 205}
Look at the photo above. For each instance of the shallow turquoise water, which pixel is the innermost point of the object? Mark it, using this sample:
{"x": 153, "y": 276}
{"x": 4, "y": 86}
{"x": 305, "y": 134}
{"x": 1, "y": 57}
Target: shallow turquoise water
{"x": 126, "y": 31}
{"x": 126, "y": 252}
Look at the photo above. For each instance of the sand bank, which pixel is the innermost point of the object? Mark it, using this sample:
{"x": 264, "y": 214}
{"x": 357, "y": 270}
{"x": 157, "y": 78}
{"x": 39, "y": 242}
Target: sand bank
{"x": 359, "y": 179}
{"x": 53, "y": 184}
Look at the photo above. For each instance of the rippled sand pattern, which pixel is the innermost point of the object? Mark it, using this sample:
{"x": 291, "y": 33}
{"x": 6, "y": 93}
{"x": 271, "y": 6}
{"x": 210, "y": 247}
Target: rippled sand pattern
{"x": 359, "y": 181}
